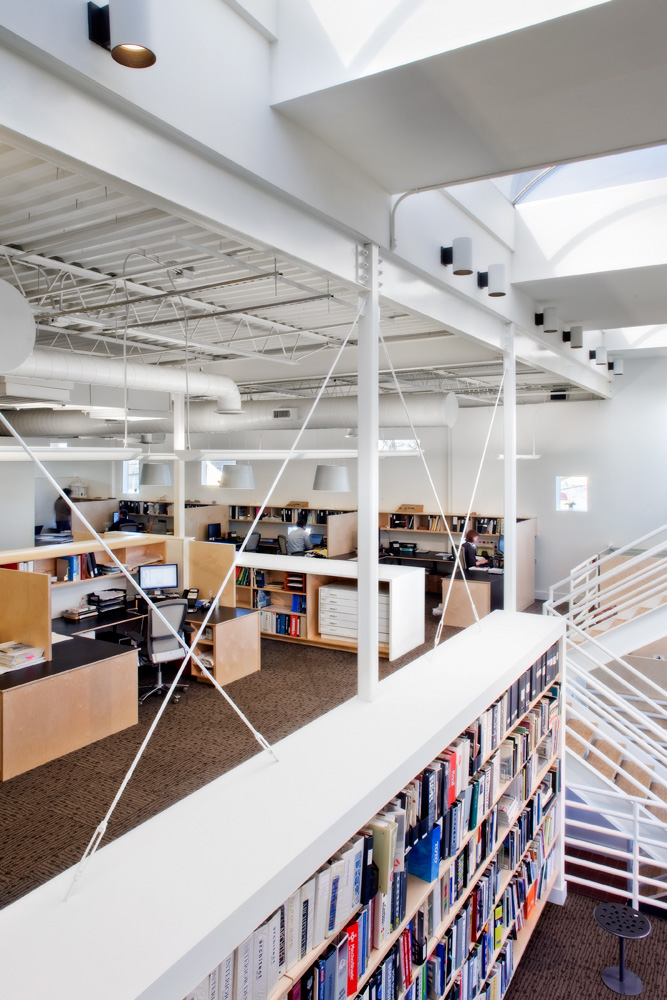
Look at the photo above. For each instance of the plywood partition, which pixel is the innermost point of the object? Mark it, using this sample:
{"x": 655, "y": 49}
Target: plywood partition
{"x": 526, "y": 529}
{"x": 208, "y": 563}
{"x": 98, "y": 513}
{"x": 341, "y": 534}
{"x": 197, "y": 520}
{"x": 25, "y": 608}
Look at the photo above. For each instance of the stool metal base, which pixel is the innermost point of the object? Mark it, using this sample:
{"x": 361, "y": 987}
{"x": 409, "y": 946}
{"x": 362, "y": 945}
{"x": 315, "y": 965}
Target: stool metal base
{"x": 630, "y": 986}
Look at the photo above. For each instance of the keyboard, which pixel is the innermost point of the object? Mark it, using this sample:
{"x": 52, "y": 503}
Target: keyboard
{"x": 493, "y": 569}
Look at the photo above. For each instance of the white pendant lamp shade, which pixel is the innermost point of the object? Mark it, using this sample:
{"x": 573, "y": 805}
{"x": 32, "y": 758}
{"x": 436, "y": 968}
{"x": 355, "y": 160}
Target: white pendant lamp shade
{"x": 237, "y": 477}
{"x": 129, "y": 27}
{"x": 618, "y": 366}
{"x": 156, "y": 474}
{"x": 550, "y": 319}
{"x": 600, "y": 355}
{"x": 577, "y": 336}
{"x": 462, "y": 255}
{"x": 332, "y": 478}
{"x": 497, "y": 286}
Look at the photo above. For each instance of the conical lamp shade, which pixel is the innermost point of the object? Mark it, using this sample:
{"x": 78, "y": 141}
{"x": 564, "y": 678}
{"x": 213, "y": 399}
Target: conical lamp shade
{"x": 332, "y": 478}
{"x": 156, "y": 474}
{"x": 237, "y": 477}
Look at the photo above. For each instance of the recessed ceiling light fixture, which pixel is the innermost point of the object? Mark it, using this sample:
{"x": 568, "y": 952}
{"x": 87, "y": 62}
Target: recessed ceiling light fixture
{"x": 122, "y": 26}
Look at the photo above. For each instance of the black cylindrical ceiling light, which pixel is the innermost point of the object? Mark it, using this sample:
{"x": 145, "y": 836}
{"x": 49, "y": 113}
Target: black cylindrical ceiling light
{"x": 576, "y": 336}
{"x": 550, "y": 319}
{"x": 129, "y": 25}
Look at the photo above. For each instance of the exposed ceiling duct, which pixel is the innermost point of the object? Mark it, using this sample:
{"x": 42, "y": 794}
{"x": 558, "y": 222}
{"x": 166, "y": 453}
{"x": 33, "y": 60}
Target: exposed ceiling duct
{"x": 433, "y": 410}
{"x": 64, "y": 366}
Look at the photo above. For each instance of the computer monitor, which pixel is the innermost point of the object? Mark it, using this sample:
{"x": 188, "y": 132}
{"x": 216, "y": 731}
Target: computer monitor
{"x": 315, "y": 538}
{"x": 162, "y": 576}
{"x": 501, "y": 544}
{"x": 214, "y": 532}
{"x": 116, "y": 516}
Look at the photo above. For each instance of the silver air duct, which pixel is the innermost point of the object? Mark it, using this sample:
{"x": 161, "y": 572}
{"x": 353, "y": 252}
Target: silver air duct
{"x": 432, "y": 410}
{"x": 64, "y": 367}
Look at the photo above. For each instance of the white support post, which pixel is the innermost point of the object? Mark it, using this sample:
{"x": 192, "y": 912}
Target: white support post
{"x": 509, "y": 451}
{"x": 367, "y": 481}
{"x": 178, "y": 404}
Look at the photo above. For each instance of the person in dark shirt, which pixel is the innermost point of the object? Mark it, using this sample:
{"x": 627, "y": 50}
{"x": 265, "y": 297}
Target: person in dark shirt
{"x": 470, "y": 557}
{"x": 124, "y": 522}
{"x": 63, "y": 512}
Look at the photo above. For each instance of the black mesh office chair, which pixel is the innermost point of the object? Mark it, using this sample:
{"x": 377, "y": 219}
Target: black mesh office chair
{"x": 160, "y": 646}
{"x": 282, "y": 545}
{"x": 253, "y": 542}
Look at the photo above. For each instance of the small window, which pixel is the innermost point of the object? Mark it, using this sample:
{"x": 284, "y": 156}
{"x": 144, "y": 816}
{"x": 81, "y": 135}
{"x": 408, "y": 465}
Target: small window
{"x": 398, "y": 444}
{"x": 131, "y": 476}
{"x": 571, "y": 492}
{"x": 210, "y": 471}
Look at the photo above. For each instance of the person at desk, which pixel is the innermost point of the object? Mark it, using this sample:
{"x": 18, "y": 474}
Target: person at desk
{"x": 298, "y": 539}
{"x": 124, "y": 522}
{"x": 63, "y": 512}
{"x": 470, "y": 557}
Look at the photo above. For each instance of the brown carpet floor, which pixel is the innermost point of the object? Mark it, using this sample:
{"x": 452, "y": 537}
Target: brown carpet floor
{"x": 48, "y": 815}
{"x": 568, "y": 951}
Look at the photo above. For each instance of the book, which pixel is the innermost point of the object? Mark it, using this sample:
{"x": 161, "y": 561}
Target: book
{"x": 260, "y": 963}
{"x": 293, "y": 929}
{"x": 243, "y": 970}
{"x": 226, "y": 978}
{"x": 273, "y": 950}
{"x": 307, "y": 917}
{"x": 384, "y": 850}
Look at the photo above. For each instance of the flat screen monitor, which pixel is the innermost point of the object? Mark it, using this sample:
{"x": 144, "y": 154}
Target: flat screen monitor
{"x": 162, "y": 576}
{"x": 116, "y": 516}
{"x": 501, "y": 544}
{"x": 315, "y": 538}
{"x": 214, "y": 531}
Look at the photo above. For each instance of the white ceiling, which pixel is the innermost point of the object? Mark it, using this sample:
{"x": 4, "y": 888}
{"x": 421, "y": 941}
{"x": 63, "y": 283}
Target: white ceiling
{"x": 572, "y": 87}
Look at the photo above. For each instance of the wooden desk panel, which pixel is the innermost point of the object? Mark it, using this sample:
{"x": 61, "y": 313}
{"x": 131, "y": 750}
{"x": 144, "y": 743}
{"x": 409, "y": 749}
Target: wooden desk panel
{"x": 53, "y": 714}
{"x": 235, "y": 647}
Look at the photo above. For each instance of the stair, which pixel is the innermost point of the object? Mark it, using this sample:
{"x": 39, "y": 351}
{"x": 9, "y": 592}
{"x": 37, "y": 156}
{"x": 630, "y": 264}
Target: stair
{"x": 614, "y": 753}
{"x": 661, "y": 792}
{"x": 628, "y": 767}
{"x": 583, "y": 729}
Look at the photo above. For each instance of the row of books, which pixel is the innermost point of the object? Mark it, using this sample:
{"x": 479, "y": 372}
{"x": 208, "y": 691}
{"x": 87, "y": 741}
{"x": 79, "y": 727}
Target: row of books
{"x": 288, "y": 515}
{"x": 81, "y": 567}
{"x": 282, "y": 623}
{"x": 19, "y": 654}
{"x": 488, "y": 525}
{"x": 243, "y": 576}
{"x": 359, "y": 897}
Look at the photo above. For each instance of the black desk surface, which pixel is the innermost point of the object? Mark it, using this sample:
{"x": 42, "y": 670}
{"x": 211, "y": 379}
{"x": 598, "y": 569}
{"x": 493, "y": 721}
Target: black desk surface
{"x": 119, "y": 616}
{"x": 76, "y": 652}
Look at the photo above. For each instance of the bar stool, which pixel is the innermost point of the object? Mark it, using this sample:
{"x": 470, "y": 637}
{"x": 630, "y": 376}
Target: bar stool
{"x": 625, "y": 923}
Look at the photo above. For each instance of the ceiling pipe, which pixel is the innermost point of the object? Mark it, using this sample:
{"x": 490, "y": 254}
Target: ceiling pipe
{"x": 426, "y": 410}
{"x": 62, "y": 366}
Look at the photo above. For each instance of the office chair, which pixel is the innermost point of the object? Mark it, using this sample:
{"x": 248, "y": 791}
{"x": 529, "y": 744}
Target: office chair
{"x": 160, "y": 646}
{"x": 253, "y": 542}
{"x": 282, "y": 545}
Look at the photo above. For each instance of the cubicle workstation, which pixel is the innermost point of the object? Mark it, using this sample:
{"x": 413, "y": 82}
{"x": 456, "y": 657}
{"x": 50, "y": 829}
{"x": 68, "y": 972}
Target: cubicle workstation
{"x": 86, "y": 688}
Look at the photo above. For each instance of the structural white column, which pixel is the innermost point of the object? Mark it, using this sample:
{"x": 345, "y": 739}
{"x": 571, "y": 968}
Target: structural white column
{"x": 178, "y": 404}
{"x": 367, "y": 481}
{"x": 509, "y": 451}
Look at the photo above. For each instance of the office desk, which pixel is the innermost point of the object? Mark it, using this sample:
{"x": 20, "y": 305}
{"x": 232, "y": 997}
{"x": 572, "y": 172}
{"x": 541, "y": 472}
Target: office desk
{"x": 486, "y": 589}
{"x": 86, "y": 691}
{"x": 234, "y": 646}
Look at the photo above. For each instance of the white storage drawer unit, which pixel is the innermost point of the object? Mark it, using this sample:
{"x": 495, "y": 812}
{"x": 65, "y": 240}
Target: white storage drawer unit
{"x": 338, "y": 612}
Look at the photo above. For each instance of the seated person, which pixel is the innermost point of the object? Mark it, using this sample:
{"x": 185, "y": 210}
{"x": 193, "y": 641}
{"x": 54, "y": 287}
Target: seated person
{"x": 124, "y": 521}
{"x": 63, "y": 512}
{"x": 298, "y": 540}
{"x": 469, "y": 553}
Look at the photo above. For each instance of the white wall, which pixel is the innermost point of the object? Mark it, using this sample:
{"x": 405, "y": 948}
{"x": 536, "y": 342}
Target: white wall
{"x": 16, "y": 505}
{"x": 96, "y": 475}
{"x": 620, "y": 444}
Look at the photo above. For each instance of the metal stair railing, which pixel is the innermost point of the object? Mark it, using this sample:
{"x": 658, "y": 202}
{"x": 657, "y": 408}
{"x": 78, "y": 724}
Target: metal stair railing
{"x": 588, "y": 582}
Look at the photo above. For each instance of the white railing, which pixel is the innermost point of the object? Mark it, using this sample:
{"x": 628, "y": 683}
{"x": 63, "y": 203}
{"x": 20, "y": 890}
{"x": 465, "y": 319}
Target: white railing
{"x": 601, "y": 586}
{"x": 639, "y": 840}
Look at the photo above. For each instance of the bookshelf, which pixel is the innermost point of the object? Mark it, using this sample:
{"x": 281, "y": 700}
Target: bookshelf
{"x": 401, "y": 589}
{"x": 322, "y": 790}
{"x": 429, "y": 534}
{"x": 463, "y": 914}
{"x": 339, "y": 526}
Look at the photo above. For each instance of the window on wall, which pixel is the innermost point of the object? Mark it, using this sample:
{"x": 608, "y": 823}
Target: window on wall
{"x": 571, "y": 492}
{"x": 210, "y": 471}
{"x": 398, "y": 444}
{"x": 131, "y": 476}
